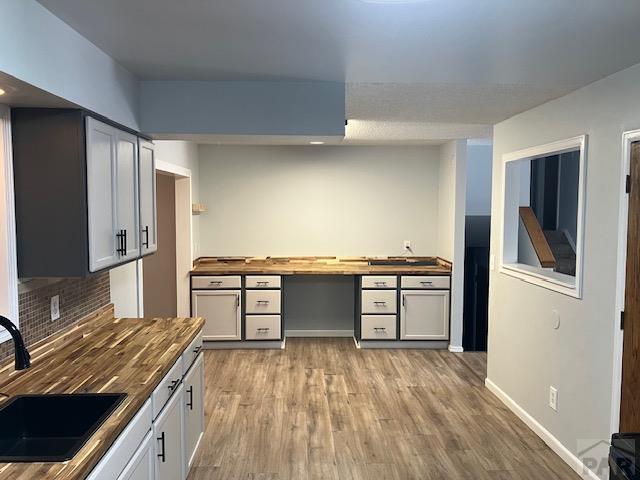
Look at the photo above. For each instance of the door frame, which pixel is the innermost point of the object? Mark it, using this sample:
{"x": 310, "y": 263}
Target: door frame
{"x": 184, "y": 257}
{"x": 628, "y": 138}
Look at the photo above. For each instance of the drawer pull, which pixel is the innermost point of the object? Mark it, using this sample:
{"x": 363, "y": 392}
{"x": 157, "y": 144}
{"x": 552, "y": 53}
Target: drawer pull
{"x": 197, "y": 350}
{"x": 263, "y": 302}
{"x": 380, "y": 284}
{"x": 174, "y": 384}
{"x": 262, "y": 283}
{"x": 215, "y": 282}
{"x": 190, "y": 401}
{"x": 380, "y": 303}
{"x": 380, "y": 329}
{"x": 425, "y": 282}
{"x": 263, "y": 329}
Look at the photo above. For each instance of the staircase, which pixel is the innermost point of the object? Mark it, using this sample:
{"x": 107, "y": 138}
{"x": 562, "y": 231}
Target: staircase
{"x": 562, "y": 251}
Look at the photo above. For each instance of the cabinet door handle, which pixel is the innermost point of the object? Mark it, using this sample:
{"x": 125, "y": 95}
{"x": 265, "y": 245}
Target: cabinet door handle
{"x": 120, "y": 240}
{"x": 190, "y": 402}
{"x": 237, "y": 301}
{"x": 145, "y": 230}
{"x": 162, "y": 455}
{"x": 403, "y": 297}
{"x": 124, "y": 248}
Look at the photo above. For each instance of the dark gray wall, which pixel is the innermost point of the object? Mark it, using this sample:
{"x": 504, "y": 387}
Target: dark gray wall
{"x": 318, "y": 302}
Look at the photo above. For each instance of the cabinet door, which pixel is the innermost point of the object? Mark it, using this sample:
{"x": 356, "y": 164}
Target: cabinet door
{"x": 424, "y": 315}
{"x": 127, "y": 206}
{"x": 148, "y": 223}
{"x": 167, "y": 431}
{"x": 101, "y": 195}
{"x": 193, "y": 411}
{"x": 221, "y": 311}
{"x": 141, "y": 465}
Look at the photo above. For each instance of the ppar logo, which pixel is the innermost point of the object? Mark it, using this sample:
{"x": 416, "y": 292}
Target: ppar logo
{"x": 594, "y": 455}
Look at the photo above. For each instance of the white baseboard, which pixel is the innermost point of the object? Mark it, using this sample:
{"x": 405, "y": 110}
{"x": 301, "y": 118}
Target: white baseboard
{"x": 563, "y": 452}
{"x": 318, "y": 333}
{"x": 456, "y": 349}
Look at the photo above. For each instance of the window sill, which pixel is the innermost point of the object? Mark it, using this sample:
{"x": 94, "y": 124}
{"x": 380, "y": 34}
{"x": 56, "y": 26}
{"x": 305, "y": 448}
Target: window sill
{"x": 558, "y": 282}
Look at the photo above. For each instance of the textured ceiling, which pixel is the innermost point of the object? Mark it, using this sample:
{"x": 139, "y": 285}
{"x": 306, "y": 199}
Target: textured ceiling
{"x": 461, "y": 62}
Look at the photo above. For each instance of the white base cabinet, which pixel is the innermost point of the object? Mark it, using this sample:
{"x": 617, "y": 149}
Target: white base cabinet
{"x": 167, "y": 430}
{"x": 161, "y": 441}
{"x": 141, "y": 465}
{"x": 193, "y": 411}
{"x": 424, "y": 315}
{"x": 222, "y": 312}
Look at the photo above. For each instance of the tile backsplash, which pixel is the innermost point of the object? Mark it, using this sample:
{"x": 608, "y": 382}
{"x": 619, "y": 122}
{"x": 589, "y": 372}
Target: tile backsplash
{"x": 78, "y": 298}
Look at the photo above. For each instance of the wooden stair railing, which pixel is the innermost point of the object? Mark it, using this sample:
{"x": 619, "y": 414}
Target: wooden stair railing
{"x": 539, "y": 241}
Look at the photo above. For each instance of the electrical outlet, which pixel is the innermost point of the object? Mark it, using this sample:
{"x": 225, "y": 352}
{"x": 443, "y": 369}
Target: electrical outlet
{"x": 407, "y": 245}
{"x": 55, "y": 307}
{"x": 553, "y": 398}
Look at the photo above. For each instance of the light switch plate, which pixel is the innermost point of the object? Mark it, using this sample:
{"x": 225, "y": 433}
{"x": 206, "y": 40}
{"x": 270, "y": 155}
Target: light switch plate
{"x": 553, "y": 398}
{"x": 492, "y": 262}
{"x": 55, "y": 307}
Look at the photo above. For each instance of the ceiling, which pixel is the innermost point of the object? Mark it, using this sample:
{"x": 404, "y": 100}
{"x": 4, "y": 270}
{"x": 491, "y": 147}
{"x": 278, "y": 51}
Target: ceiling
{"x": 433, "y": 62}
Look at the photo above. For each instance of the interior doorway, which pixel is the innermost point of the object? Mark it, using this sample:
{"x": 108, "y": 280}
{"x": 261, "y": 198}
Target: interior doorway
{"x": 159, "y": 269}
{"x": 629, "y": 406}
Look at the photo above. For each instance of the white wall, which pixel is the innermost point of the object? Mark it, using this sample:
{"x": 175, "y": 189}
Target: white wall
{"x": 451, "y": 225}
{"x": 318, "y": 200}
{"x": 185, "y": 155}
{"x": 39, "y": 48}
{"x": 479, "y": 168}
{"x": 526, "y": 354}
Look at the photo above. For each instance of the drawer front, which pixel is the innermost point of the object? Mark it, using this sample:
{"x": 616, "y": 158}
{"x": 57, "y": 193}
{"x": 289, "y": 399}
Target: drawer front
{"x": 169, "y": 384}
{"x": 215, "y": 282}
{"x": 425, "y": 282}
{"x": 263, "y": 327}
{"x": 263, "y": 281}
{"x": 191, "y": 353}
{"x": 379, "y": 301}
{"x": 117, "y": 457}
{"x": 263, "y": 302}
{"x": 378, "y": 327}
{"x": 370, "y": 281}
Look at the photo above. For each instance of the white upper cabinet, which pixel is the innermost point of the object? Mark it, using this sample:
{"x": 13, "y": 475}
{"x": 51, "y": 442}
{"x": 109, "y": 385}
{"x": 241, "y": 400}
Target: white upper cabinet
{"x": 101, "y": 195}
{"x": 127, "y": 213}
{"x": 121, "y": 196}
{"x": 148, "y": 223}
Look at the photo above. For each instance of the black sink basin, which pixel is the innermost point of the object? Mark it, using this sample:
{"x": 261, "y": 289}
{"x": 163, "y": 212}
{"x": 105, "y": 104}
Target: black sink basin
{"x": 51, "y": 428}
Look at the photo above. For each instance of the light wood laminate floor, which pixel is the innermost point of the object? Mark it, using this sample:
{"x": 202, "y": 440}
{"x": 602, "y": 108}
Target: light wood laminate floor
{"x": 321, "y": 409}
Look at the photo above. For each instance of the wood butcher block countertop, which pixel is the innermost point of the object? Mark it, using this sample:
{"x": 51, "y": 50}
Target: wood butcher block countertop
{"x": 101, "y": 354}
{"x": 318, "y": 266}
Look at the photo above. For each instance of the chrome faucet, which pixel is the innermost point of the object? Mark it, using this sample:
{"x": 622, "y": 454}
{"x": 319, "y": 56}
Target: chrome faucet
{"x": 23, "y": 359}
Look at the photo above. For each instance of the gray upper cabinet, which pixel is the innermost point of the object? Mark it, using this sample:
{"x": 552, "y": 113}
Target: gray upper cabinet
{"x": 83, "y": 186}
{"x": 148, "y": 222}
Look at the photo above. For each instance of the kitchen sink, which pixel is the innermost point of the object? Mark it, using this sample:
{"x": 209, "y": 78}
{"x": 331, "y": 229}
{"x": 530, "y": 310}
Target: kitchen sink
{"x": 412, "y": 263}
{"x": 52, "y": 428}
